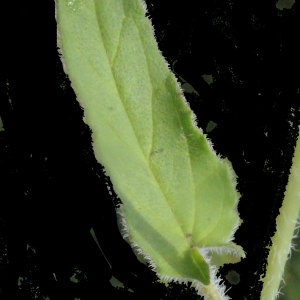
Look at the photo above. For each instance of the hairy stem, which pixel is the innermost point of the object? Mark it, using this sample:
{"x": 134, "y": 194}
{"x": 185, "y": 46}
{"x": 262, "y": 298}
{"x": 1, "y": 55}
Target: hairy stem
{"x": 285, "y": 227}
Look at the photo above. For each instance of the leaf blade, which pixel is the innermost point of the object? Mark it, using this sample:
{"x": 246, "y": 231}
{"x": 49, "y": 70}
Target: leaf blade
{"x": 176, "y": 193}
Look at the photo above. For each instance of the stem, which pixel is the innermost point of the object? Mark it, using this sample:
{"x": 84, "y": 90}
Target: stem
{"x": 285, "y": 227}
{"x": 211, "y": 292}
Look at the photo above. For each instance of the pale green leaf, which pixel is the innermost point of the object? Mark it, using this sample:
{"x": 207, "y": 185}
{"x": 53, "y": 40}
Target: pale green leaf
{"x": 177, "y": 195}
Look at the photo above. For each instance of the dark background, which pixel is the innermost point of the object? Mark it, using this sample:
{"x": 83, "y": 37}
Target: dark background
{"x": 52, "y": 189}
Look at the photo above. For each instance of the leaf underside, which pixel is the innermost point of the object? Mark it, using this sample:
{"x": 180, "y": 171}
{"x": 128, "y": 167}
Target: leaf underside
{"x": 176, "y": 193}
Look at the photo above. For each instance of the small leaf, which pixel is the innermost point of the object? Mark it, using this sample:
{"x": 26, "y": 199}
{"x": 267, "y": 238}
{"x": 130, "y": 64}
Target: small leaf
{"x": 203, "y": 267}
{"x": 177, "y": 194}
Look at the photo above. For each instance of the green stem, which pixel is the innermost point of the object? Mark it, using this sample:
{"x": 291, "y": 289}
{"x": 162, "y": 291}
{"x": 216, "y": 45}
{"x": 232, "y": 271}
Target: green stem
{"x": 285, "y": 227}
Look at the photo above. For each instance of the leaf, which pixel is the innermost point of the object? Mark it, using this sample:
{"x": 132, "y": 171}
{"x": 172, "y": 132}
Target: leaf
{"x": 179, "y": 201}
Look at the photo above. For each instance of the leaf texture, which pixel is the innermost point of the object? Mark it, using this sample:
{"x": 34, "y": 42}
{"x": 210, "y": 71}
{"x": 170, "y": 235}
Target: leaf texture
{"x": 177, "y": 194}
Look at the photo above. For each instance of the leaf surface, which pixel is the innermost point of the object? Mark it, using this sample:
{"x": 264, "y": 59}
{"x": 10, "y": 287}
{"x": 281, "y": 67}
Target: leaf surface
{"x": 177, "y": 194}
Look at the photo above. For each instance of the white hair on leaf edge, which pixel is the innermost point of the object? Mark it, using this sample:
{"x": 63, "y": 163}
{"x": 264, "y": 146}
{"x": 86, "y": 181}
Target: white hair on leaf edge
{"x": 202, "y": 290}
{"x": 216, "y": 287}
{"x": 225, "y": 250}
{"x": 235, "y": 228}
{"x": 134, "y": 246}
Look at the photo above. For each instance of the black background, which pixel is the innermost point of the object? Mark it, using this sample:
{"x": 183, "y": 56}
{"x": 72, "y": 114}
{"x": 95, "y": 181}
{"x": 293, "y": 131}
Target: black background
{"x": 52, "y": 189}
